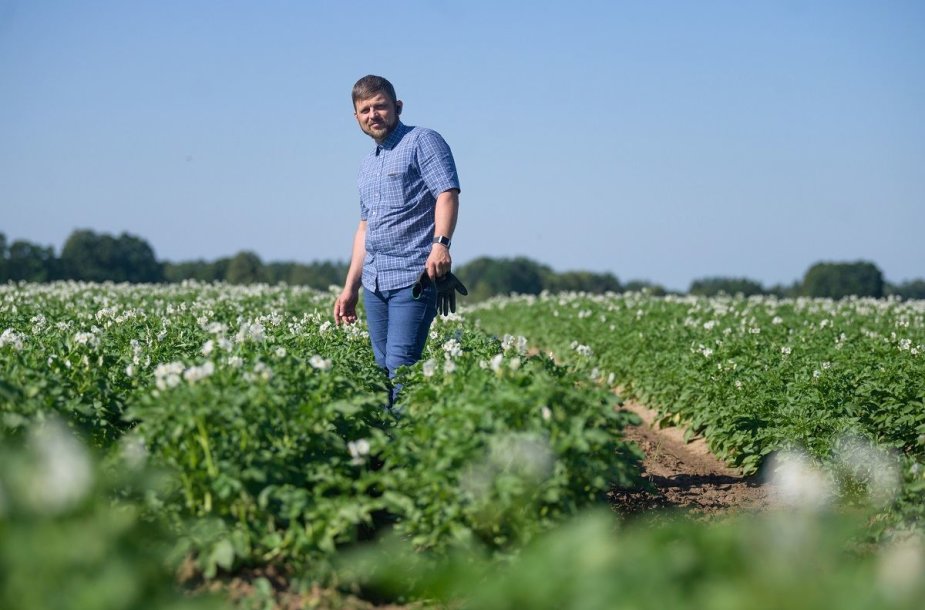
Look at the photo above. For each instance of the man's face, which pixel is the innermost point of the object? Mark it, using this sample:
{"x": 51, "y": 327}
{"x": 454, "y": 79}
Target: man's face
{"x": 377, "y": 115}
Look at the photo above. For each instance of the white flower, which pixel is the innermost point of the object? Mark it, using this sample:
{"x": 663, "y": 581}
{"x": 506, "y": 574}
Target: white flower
{"x": 754, "y": 330}
{"x": 429, "y": 367}
{"x": 514, "y": 363}
{"x": 236, "y": 362}
{"x": 495, "y": 363}
{"x": 522, "y": 454}
{"x": 777, "y": 320}
{"x": 876, "y": 468}
{"x": 38, "y": 323}
{"x": 86, "y": 339}
{"x": 12, "y": 338}
{"x": 817, "y": 374}
{"x": 358, "y": 450}
{"x": 449, "y": 366}
{"x": 130, "y": 371}
{"x": 207, "y": 347}
{"x": 133, "y": 450}
{"x": 738, "y": 384}
{"x": 319, "y": 363}
{"x": 518, "y": 343}
{"x": 706, "y": 351}
{"x": 905, "y": 344}
{"x": 901, "y": 567}
{"x": 280, "y": 352}
{"x": 63, "y": 473}
{"x": 168, "y": 375}
{"x": 798, "y": 483}
{"x": 709, "y": 325}
{"x": 263, "y": 371}
{"x": 216, "y": 328}
{"x": 785, "y": 351}
{"x": 250, "y": 331}
{"x": 546, "y": 412}
{"x": 198, "y": 373}
{"x": 826, "y": 365}
{"x": 325, "y": 327}
{"x": 452, "y": 349}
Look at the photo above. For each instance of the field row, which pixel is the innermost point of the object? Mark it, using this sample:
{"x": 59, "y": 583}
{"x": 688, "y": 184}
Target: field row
{"x": 269, "y": 420}
{"x": 236, "y": 428}
{"x": 842, "y": 381}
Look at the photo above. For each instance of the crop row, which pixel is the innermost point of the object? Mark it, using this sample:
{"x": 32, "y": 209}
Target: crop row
{"x": 268, "y": 420}
{"x": 753, "y": 375}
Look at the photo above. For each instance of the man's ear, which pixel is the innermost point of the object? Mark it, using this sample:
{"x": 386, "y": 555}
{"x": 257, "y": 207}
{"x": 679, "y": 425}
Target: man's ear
{"x": 398, "y": 106}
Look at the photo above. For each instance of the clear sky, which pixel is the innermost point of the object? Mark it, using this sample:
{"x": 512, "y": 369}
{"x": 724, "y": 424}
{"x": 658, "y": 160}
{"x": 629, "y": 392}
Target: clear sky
{"x": 653, "y": 139}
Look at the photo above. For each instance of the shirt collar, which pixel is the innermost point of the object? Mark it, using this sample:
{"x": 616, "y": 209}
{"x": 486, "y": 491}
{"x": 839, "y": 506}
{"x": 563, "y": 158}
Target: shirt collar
{"x": 393, "y": 138}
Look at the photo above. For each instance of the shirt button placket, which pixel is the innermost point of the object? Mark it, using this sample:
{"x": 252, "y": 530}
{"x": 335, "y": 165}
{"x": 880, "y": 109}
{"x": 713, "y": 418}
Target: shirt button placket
{"x": 379, "y": 177}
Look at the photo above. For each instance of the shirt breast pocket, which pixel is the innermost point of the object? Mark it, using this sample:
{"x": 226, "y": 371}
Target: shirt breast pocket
{"x": 395, "y": 185}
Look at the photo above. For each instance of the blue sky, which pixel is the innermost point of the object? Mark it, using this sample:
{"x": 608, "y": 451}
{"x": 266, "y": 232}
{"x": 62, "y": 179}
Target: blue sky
{"x": 658, "y": 140}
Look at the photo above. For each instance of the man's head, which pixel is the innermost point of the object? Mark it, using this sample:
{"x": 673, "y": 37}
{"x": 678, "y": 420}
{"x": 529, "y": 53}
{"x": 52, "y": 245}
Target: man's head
{"x": 375, "y": 106}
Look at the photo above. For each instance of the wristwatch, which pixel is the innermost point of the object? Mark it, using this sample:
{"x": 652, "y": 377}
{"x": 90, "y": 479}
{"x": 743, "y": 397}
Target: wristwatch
{"x": 442, "y": 239}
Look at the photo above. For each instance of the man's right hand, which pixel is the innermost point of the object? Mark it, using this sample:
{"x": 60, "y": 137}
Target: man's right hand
{"x": 345, "y": 307}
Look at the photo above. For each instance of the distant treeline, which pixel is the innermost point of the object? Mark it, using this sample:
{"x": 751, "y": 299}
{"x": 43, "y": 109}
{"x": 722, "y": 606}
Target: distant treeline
{"x": 89, "y": 256}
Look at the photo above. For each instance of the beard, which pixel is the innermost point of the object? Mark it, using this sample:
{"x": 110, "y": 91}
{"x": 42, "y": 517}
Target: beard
{"x": 382, "y": 130}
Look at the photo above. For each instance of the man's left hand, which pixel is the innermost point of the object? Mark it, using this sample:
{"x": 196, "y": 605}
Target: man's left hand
{"x": 439, "y": 262}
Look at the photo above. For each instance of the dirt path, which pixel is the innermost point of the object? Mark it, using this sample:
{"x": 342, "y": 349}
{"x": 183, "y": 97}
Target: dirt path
{"x": 686, "y": 476}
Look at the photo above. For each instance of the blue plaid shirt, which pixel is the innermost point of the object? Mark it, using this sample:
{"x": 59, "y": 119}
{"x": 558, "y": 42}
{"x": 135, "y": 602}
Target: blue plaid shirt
{"x": 399, "y": 183}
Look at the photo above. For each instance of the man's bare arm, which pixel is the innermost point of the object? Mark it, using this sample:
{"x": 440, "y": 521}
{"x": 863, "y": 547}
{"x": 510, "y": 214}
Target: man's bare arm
{"x": 345, "y": 305}
{"x": 439, "y": 262}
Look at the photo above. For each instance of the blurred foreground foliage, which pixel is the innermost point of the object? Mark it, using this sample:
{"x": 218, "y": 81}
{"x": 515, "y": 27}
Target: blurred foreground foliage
{"x": 793, "y": 560}
{"x": 74, "y": 534}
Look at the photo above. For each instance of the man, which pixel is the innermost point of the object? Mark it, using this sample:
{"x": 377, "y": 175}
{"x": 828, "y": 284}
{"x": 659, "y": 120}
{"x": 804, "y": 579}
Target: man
{"x": 409, "y": 201}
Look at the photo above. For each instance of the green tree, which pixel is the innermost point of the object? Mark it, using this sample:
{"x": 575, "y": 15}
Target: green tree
{"x": 912, "y": 289}
{"x": 3, "y": 254}
{"x": 30, "y": 262}
{"x": 838, "y": 280}
{"x": 99, "y": 258}
{"x": 640, "y": 285}
{"x": 711, "y": 286}
{"x": 486, "y": 277}
{"x": 786, "y": 291}
{"x": 583, "y": 281}
{"x": 138, "y": 261}
{"x": 245, "y": 268}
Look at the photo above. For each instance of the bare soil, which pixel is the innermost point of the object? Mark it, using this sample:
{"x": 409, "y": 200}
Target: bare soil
{"x": 684, "y": 475}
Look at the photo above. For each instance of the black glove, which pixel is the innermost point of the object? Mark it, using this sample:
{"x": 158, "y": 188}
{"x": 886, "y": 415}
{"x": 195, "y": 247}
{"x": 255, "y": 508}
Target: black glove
{"x": 447, "y": 286}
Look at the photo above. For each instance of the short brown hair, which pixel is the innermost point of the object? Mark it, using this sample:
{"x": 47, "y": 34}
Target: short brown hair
{"x": 370, "y": 85}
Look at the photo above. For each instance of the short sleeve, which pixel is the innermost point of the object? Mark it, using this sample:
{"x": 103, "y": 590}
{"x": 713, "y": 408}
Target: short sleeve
{"x": 435, "y": 160}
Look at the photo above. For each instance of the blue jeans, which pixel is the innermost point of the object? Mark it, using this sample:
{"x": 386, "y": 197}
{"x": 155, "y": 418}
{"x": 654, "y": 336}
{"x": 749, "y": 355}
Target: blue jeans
{"x": 398, "y": 327}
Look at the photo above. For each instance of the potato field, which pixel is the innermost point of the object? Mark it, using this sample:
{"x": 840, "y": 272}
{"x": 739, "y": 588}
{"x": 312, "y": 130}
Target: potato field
{"x": 214, "y": 446}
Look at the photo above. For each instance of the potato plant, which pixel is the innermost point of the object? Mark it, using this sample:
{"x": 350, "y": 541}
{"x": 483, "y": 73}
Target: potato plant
{"x": 270, "y": 419}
